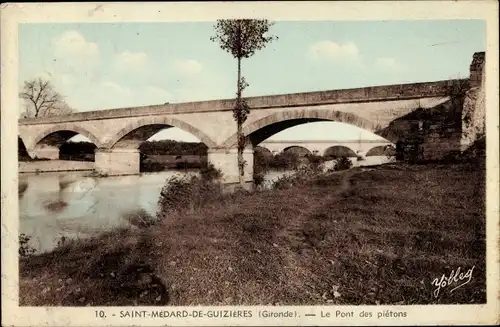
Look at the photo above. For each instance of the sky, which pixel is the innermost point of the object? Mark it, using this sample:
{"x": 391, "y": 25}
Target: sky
{"x": 112, "y": 65}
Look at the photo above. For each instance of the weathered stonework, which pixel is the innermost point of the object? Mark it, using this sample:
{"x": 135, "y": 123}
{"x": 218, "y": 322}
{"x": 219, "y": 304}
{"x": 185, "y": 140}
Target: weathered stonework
{"x": 117, "y": 161}
{"x": 227, "y": 161}
{"x": 391, "y": 111}
{"x": 474, "y": 109}
{"x": 321, "y": 147}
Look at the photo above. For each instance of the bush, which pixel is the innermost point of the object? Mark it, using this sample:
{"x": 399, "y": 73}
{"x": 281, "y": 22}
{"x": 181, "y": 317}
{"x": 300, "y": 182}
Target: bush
{"x": 258, "y": 179}
{"x": 183, "y": 193}
{"x": 171, "y": 147}
{"x": 261, "y": 162}
{"x": 140, "y": 218}
{"x": 315, "y": 161}
{"x": 285, "y": 160}
{"x": 301, "y": 176}
{"x": 80, "y": 151}
{"x": 343, "y": 163}
{"x": 25, "y": 249}
{"x": 191, "y": 193}
{"x": 209, "y": 173}
{"x": 285, "y": 181}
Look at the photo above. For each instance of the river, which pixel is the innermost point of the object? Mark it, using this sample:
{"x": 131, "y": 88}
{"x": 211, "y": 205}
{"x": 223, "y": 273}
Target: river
{"x": 78, "y": 205}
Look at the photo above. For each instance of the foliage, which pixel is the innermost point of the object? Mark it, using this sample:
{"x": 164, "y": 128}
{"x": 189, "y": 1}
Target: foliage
{"x": 140, "y": 218}
{"x": 304, "y": 175}
{"x": 258, "y": 179}
{"x": 191, "y": 193}
{"x": 285, "y": 160}
{"x": 41, "y": 99}
{"x": 172, "y": 147}
{"x": 209, "y": 173}
{"x": 25, "y": 249}
{"x": 241, "y": 38}
{"x": 315, "y": 161}
{"x": 261, "y": 162}
{"x": 82, "y": 151}
{"x": 342, "y": 163}
{"x": 335, "y": 152}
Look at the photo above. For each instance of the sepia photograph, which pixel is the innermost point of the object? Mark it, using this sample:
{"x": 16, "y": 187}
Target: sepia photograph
{"x": 251, "y": 161}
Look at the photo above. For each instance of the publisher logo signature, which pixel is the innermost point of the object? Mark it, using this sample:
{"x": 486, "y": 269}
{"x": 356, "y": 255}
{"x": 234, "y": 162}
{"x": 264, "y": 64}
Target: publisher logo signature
{"x": 456, "y": 279}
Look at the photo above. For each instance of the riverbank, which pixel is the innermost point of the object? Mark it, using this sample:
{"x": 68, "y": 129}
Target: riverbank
{"x": 365, "y": 236}
{"x": 36, "y": 166}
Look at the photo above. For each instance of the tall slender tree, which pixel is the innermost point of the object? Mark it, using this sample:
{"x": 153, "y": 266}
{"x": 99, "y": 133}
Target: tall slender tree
{"x": 242, "y": 38}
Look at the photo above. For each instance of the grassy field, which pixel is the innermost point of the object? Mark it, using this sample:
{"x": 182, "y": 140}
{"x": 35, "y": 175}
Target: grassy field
{"x": 363, "y": 236}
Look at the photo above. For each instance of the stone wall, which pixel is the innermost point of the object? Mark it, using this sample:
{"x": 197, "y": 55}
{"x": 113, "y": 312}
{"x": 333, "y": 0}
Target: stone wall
{"x": 451, "y": 127}
{"x": 364, "y": 94}
{"x": 474, "y": 109}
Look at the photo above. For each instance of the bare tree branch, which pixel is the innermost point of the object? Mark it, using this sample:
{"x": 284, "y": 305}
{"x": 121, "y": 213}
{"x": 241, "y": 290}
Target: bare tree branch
{"x": 42, "y": 100}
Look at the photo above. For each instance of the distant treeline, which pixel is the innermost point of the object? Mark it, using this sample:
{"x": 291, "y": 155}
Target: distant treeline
{"x": 81, "y": 151}
{"x": 171, "y": 147}
{"x": 85, "y": 150}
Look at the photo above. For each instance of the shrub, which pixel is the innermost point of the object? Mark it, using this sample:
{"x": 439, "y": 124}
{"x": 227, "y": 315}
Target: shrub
{"x": 81, "y": 151}
{"x": 261, "y": 161}
{"x": 209, "y": 173}
{"x": 285, "y": 160}
{"x": 191, "y": 193}
{"x": 25, "y": 249}
{"x": 171, "y": 147}
{"x": 258, "y": 179}
{"x": 285, "y": 181}
{"x": 343, "y": 163}
{"x": 301, "y": 176}
{"x": 140, "y": 218}
{"x": 315, "y": 161}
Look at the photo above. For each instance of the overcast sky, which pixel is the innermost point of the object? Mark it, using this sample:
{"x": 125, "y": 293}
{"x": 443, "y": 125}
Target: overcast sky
{"x": 101, "y": 66}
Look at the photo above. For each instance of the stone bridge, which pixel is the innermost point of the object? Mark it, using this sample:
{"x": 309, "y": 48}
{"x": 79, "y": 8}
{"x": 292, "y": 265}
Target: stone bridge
{"x": 353, "y": 148}
{"x": 117, "y": 133}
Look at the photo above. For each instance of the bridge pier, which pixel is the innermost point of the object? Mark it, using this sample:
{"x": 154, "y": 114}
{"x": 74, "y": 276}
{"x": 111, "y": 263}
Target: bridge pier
{"x": 114, "y": 162}
{"x": 44, "y": 152}
{"x": 227, "y": 161}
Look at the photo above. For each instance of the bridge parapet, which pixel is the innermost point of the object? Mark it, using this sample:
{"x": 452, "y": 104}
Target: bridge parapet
{"x": 364, "y": 94}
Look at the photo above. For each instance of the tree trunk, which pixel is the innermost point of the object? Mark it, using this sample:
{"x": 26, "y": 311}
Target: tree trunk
{"x": 241, "y": 145}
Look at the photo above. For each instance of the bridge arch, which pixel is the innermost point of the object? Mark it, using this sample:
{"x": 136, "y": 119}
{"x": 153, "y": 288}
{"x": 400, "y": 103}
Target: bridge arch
{"x": 22, "y": 152}
{"x": 298, "y": 150}
{"x": 338, "y": 151}
{"x": 263, "y": 128}
{"x": 132, "y": 135}
{"x": 58, "y": 134}
{"x": 263, "y": 151}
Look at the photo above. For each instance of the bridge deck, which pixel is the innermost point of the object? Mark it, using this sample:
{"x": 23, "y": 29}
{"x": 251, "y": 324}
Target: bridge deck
{"x": 364, "y": 94}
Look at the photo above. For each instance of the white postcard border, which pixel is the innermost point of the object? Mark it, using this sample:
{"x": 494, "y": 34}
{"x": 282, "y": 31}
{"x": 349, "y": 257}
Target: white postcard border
{"x": 13, "y": 14}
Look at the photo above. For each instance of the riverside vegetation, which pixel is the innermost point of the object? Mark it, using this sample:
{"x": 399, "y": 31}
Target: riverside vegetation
{"x": 376, "y": 235}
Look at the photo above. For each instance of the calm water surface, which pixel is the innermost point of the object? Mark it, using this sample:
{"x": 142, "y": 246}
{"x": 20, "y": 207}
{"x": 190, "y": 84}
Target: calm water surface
{"x": 78, "y": 205}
